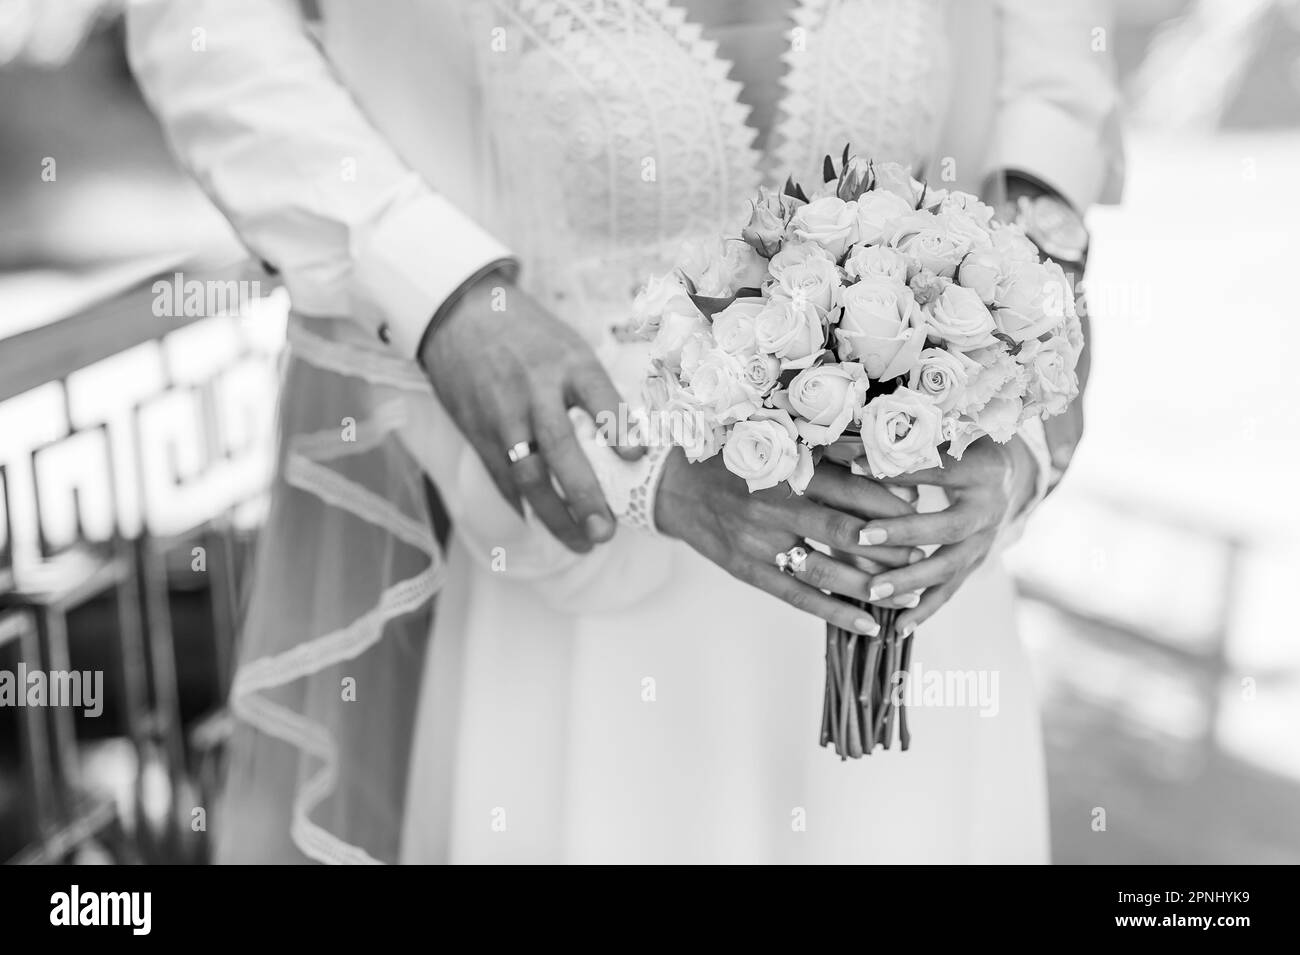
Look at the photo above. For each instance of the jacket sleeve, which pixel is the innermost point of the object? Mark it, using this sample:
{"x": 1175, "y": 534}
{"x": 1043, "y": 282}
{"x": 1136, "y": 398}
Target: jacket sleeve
{"x": 1057, "y": 115}
{"x": 252, "y": 108}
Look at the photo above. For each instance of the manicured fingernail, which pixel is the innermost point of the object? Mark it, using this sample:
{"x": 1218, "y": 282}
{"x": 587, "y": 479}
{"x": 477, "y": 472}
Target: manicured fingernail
{"x": 872, "y": 535}
{"x": 880, "y": 591}
{"x": 910, "y": 601}
{"x": 916, "y": 555}
{"x": 598, "y": 528}
{"x": 867, "y": 625}
{"x": 907, "y": 630}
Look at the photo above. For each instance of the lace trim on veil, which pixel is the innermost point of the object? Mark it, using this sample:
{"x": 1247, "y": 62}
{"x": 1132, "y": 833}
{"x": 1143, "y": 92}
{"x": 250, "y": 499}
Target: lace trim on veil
{"x": 306, "y": 468}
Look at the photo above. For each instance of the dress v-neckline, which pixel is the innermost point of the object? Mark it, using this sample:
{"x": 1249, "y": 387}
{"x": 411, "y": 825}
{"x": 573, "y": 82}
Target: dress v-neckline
{"x": 773, "y": 162}
{"x": 750, "y": 38}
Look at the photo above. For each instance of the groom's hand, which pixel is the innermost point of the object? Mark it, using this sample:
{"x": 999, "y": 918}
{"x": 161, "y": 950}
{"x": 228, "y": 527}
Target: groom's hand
{"x": 507, "y": 371}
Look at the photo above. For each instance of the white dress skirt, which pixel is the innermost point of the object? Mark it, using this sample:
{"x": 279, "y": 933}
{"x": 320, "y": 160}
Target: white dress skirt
{"x": 684, "y": 728}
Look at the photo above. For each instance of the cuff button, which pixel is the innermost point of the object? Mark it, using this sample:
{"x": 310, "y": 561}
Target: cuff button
{"x": 385, "y": 334}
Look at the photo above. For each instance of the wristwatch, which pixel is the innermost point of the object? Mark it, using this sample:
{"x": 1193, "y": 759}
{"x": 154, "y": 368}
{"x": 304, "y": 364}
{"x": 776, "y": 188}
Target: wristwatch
{"x": 1049, "y": 221}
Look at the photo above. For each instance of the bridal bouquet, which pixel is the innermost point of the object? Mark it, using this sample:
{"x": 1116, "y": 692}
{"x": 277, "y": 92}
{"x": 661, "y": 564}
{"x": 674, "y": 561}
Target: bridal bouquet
{"x": 876, "y": 308}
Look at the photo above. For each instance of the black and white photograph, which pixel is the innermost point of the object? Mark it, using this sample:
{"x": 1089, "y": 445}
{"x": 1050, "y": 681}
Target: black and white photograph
{"x": 642, "y": 432}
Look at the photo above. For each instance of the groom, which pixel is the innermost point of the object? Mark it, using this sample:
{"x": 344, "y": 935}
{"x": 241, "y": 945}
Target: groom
{"x": 272, "y": 129}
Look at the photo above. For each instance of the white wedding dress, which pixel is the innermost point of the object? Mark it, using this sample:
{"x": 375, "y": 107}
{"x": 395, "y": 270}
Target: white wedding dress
{"x": 638, "y": 704}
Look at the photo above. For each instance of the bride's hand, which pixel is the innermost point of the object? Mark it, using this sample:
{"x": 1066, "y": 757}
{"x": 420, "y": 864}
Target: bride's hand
{"x": 990, "y": 485}
{"x": 711, "y": 509}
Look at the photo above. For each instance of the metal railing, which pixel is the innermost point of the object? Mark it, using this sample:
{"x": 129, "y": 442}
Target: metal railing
{"x": 135, "y": 451}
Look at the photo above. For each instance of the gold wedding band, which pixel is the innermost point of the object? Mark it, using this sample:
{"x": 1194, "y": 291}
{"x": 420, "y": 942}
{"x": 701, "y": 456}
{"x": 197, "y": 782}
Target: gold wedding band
{"x": 520, "y": 451}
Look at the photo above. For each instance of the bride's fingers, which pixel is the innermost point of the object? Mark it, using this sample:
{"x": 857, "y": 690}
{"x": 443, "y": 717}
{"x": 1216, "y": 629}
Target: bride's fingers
{"x": 865, "y": 564}
{"x": 948, "y": 526}
{"x": 809, "y": 520}
{"x": 826, "y": 573}
{"x": 938, "y": 568}
{"x": 810, "y": 600}
{"x": 903, "y": 601}
{"x": 889, "y": 556}
{"x": 845, "y": 491}
{"x": 931, "y": 601}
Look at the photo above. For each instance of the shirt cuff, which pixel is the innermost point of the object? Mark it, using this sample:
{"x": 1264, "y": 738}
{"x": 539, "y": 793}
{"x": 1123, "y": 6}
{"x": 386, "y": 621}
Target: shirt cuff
{"x": 1051, "y": 146}
{"x": 414, "y": 259}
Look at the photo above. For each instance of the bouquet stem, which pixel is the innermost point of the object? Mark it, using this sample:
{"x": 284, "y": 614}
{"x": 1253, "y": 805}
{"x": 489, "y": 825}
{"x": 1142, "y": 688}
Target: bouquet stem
{"x": 862, "y": 708}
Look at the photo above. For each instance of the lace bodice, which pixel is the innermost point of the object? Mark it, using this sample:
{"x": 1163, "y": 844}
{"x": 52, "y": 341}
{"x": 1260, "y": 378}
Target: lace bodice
{"x": 617, "y": 131}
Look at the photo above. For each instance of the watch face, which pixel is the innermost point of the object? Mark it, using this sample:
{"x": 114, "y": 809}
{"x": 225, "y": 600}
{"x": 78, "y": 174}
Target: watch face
{"x": 1057, "y": 229}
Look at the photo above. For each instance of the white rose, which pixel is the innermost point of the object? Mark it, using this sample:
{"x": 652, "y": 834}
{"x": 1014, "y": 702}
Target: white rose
{"x": 876, "y": 211}
{"x": 901, "y": 432}
{"x": 768, "y": 218}
{"x": 927, "y": 287}
{"x": 1032, "y": 300}
{"x": 692, "y": 429}
{"x": 877, "y": 262}
{"x": 661, "y": 294}
{"x": 794, "y": 254}
{"x": 961, "y": 319}
{"x": 982, "y": 271}
{"x": 963, "y": 202}
{"x": 1073, "y": 330}
{"x": 792, "y": 330}
{"x": 733, "y": 327}
{"x": 1053, "y": 383}
{"x": 693, "y": 352}
{"x": 881, "y": 327}
{"x": 764, "y": 451}
{"x": 960, "y": 433}
{"x": 896, "y": 179}
{"x": 999, "y": 376}
{"x": 827, "y": 399}
{"x": 965, "y": 232}
{"x": 855, "y": 179}
{"x": 719, "y": 388}
{"x": 942, "y": 375}
{"x": 1000, "y": 418}
{"x": 830, "y": 222}
{"x": 933, "y": 199}
{"x": 1010, "y": 240}
{"x": 762, "y": 372}
{"x": 743, "y": 267}
{"x": 926, "y": 238}
{"x": 703, "y": 261}
{"x": 798, "y": 271}
{"x": 676, "y": 329}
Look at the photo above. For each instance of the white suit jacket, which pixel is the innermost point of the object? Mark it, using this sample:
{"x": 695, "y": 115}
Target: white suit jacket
{"x": 353, "y": 166}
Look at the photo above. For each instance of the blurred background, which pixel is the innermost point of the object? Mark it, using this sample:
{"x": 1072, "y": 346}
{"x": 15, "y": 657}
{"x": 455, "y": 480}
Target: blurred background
{"x": 134, "y": 453}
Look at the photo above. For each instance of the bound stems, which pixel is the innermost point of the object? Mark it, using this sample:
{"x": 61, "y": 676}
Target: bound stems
{"x": 864, "y": 680}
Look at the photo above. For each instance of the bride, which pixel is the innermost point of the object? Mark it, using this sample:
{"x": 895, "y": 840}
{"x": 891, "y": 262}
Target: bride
{"x": 625, "y": 679}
